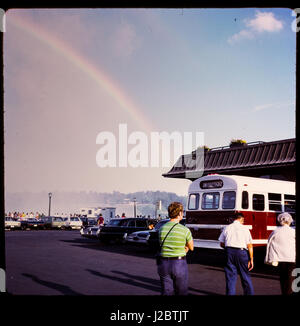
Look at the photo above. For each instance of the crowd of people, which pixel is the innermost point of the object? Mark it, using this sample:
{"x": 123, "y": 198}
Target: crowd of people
{"x": 24, "y": 216}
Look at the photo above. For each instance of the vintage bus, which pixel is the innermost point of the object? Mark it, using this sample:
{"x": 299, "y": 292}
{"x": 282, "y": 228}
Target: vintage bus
{"x": 213, "y": 200}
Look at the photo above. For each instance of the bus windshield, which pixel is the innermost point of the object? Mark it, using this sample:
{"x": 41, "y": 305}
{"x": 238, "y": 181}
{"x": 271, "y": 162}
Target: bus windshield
{"x": 228, "y": 200}
{"x": 210, "y": 200}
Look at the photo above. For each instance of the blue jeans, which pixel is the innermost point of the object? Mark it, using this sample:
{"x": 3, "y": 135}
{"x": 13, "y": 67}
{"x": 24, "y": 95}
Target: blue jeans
{"x": 237, "y": 263}
{"x": 173, "y": 277}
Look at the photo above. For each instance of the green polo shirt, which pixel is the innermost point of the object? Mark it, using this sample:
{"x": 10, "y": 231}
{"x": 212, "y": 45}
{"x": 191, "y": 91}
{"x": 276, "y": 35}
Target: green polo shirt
{"x": 174, "y": 245}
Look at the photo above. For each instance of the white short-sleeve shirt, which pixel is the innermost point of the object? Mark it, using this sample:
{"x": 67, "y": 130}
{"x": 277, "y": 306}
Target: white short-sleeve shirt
{"x": 236, "y": 235}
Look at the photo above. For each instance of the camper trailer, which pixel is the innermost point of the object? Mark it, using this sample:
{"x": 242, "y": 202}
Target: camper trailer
{"x": 93, "y": 212}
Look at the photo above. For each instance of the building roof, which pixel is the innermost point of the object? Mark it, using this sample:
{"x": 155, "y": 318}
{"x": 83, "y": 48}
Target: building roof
{"x": 236, "y": 159}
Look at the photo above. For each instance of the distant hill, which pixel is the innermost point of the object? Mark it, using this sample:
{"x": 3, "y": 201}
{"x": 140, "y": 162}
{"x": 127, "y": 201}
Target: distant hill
{"x": 71, "y": 202}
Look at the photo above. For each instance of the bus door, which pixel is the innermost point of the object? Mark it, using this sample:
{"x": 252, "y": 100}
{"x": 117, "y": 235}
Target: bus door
{"x": 259, "y": 217}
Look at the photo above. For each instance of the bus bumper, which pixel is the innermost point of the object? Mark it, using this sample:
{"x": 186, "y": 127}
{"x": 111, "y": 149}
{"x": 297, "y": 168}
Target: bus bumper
{"x": 211, "y": 244}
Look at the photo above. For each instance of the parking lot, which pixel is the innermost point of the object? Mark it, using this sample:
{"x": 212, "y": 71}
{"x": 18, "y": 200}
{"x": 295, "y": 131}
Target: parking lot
{"x": 56, "y": 262}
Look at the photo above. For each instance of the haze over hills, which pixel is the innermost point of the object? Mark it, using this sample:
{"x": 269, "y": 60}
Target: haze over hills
{"x": 71, "y": 202}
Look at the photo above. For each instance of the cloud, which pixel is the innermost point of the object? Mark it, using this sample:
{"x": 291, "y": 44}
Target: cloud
{"x": 262, "y": 107}
{"x": 263, "y": 22}
{"x": 273, "y": 106}
{"x": 243, "y": 34}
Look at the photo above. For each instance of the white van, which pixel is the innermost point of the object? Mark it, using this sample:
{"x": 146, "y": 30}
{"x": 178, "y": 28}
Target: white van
{"x": 73, "y": 223}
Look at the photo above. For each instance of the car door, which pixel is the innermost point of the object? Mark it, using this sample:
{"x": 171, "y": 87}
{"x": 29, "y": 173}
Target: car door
{"x": 130, "y": 227}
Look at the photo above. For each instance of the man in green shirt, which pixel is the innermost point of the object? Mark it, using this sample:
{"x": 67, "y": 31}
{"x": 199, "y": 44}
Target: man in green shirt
{"x": 176, "y": 240}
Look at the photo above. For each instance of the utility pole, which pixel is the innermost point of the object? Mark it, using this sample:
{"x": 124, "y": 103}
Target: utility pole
{"x": 49, "y": 195}
{"x": 134, "y": 207}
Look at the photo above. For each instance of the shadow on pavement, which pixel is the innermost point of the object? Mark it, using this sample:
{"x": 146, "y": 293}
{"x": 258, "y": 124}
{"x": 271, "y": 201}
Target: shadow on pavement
{"x": 141, "y": 281}
{"x": 128, "y": 279}
{"x": 59, "y": 287}
{"x": 126, "y": 249}
{"x": 203, "y": 256}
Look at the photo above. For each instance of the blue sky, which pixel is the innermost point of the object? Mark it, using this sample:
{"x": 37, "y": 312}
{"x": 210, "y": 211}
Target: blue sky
{"x": 229, "y": 73}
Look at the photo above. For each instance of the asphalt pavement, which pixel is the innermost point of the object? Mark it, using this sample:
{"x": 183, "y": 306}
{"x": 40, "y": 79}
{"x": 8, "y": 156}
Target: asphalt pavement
{"x": 50, "y": 262}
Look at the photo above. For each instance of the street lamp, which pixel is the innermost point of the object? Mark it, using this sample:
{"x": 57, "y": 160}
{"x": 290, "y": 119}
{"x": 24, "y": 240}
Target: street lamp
{"x": 49, "y": 195}
{"x": 134, "y": 206}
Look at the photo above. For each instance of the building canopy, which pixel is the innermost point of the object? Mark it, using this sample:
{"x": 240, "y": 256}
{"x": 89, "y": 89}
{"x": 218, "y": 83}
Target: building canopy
{"x": 275, "y": 160}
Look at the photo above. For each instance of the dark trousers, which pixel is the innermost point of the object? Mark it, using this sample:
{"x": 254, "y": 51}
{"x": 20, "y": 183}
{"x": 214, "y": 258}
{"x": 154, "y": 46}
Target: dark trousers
{"x": 173, "y": 277}
{"x": 237, "y": 263}
{"x": 286, "y": 278}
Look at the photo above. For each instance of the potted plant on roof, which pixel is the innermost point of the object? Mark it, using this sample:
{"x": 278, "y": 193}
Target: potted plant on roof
{"x": 204, "y": 148}
{"x": 237, "y": 143}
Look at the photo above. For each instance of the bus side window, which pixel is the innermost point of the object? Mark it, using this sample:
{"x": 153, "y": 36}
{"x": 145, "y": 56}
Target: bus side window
{"x": 245, "y": 200}
{"x": 258, "y": 203}
{"x": 193, "y": 201}
{"x": 274, "y": 202}
{"x": 290, "y": 203}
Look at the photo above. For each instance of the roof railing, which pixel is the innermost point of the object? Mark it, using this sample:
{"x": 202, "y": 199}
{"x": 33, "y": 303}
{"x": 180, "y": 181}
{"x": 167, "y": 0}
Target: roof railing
{"x": 228, "y": 146}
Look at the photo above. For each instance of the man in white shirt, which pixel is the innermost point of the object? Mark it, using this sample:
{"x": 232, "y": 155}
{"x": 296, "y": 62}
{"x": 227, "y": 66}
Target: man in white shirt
{"x": 237, "y": 241}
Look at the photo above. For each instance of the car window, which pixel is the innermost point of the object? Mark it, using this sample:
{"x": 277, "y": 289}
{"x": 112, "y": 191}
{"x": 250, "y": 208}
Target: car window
{"x": 58, "y": 219}
{"x": 141, "y": 224}
{"x": 124, "y": 222}
{"x": 115, "y": 222}
{"x": 131, "y": 223}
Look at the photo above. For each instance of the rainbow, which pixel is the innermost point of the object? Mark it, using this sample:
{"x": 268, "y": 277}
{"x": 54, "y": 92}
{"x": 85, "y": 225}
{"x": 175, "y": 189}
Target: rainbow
{"x": 101, "y": 78}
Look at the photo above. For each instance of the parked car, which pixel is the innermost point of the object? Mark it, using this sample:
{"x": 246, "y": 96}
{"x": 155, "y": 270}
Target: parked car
{"x": 32, "y": 223}
{"x": 153, "y": 241}
{"x": 73, "y": 223}
{"x": 11, "y": 223}
{"x": 90, "y": 231}
{"x": 119, "y": 229}
{"x": 139, "y": 237}
{"x": 53, "y": 222}
{"x": 94, "y": 231}
{"x": 142, "y": 237}
{"x": 87, "y": 223}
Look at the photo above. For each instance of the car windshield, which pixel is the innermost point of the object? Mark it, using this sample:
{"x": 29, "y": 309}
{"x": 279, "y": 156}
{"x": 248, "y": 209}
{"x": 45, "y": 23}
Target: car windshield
{"x": 116, "y": 222}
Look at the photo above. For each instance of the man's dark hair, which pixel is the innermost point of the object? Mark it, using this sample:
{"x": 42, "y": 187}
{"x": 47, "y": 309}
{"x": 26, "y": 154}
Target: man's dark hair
{"x": 239, "y": 215}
